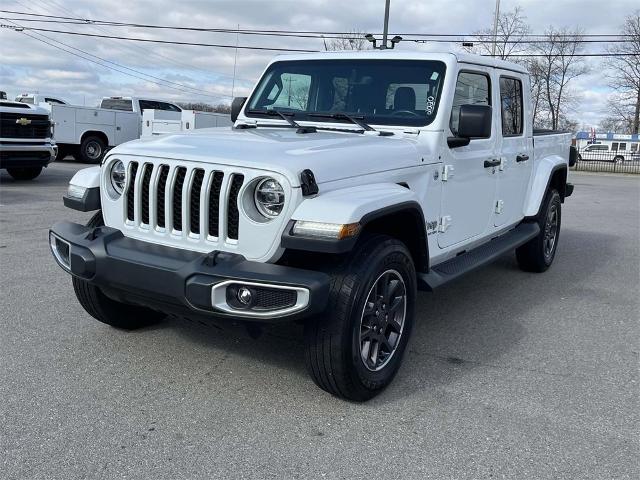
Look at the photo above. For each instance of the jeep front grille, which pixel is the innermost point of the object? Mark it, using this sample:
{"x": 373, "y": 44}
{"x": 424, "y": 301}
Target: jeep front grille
{"x": 180, "y": 200}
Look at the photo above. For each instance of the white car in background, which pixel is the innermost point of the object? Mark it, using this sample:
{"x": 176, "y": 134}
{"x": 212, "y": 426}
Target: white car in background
{"x": 604, "y": 152}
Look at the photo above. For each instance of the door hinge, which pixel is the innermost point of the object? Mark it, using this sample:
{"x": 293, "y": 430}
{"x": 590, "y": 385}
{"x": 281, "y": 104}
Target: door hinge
{"x": 499, "y": 206}
{"x": 447, "y": 172}
{"x": 445, "y": 223}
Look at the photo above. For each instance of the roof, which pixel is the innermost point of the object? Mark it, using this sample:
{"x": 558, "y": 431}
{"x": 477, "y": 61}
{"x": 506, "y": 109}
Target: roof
{"x": 432, "y": 53}
{"x": 609, "y": 136}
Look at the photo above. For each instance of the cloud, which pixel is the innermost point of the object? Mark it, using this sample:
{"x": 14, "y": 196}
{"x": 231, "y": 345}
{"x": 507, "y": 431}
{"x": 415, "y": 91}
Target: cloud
{"x": 207, "y": 72}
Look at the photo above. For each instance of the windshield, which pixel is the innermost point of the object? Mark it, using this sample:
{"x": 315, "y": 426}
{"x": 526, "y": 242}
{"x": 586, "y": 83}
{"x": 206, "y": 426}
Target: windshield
{"x": 383, "y": 92}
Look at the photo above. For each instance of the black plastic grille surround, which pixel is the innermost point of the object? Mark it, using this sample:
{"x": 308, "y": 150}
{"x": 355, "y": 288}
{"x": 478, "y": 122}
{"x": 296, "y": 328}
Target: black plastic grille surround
{"x": 131, "y": 192}
{"x": 233, "y": 215}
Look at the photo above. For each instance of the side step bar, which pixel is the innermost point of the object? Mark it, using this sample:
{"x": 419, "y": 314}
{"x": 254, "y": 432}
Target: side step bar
{"x": 456, "y": 267}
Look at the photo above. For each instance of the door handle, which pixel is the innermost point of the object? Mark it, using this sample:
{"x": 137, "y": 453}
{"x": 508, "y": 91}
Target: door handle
{"x": 522, "y": 158}
{"x": 494, "y": 162}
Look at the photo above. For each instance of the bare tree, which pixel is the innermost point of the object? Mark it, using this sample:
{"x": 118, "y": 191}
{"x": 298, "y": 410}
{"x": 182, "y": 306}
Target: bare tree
{"x": 205, "y": 107}
{"x": 559, "y": 62}
{"x": 625, "y": 74}
{"x": 353, "y": 40}
{"x": 512, "y": 30}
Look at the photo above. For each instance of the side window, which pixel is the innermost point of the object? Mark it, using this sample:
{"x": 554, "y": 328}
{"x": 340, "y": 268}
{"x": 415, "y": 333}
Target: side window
{"x": 471, "y": 89}
{"x": 294, "y": 93}
{"x": 167, "y": 106}
{"x": 614, "y": 146}
{"x": 53, "y": 101}
{"x": 511, "y": 106}
{"x": 623, "y": 146}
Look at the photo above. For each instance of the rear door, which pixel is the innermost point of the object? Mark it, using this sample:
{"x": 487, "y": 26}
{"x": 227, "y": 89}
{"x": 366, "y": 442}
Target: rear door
{"x": 515, "y": 144}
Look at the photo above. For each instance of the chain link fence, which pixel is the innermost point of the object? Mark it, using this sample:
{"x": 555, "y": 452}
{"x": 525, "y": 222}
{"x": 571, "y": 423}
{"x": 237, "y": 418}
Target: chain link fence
{"x": 601, "y": 158}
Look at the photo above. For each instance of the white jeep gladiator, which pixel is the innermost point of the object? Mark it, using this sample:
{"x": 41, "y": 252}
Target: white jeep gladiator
{"x": 26, "y": 145}
{"x": 348, "y": 182}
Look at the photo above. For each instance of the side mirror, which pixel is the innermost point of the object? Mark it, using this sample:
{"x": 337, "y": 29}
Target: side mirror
{"x": 474, "y": 122}
{"x": 236, "y": 106}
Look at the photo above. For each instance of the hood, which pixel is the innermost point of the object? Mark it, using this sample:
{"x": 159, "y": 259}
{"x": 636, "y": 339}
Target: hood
{"x": 330, "y": 155}
{"x": 9, "y": 106}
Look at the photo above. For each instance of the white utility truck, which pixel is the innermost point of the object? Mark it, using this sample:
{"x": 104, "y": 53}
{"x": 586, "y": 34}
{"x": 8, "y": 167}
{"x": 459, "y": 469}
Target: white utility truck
{"x": 87, "y": 133}
{"x": 348, "y": 182}
{"x": 25, "y": 140}
{"x": 161, "y": 122}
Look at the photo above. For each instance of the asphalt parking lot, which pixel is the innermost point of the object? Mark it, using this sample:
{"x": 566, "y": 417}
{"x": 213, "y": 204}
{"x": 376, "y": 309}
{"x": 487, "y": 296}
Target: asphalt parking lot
{"x": 508, "y": 375}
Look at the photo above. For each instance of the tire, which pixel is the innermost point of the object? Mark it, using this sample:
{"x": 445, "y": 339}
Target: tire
{"x": 106, "y": 310}
{"x": 62, "y": 154}
{"x": 24, "y": 173}
{"x": 336, "y": 341}
{"x": 618, "y": 159}
{"x": 538, "y": 253}
{"x": 92, "y": 149}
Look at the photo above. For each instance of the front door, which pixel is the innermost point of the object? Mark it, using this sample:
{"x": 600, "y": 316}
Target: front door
{"x": 468, "y": 194}
{"x": 515, "y": 143}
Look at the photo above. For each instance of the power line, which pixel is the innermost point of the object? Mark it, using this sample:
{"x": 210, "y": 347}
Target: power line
{"x": 88, "y": 58}
{"x": 129, "y": 47}
{"x": 598, "y": 54}
{"x": 169, "y": 42}
{"x": 301, "y": 33}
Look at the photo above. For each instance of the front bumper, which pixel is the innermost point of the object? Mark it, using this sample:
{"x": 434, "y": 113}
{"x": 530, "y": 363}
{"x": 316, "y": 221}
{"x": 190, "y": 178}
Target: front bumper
{"x": 183, "y": 282}
{"x": 16, "y": 155}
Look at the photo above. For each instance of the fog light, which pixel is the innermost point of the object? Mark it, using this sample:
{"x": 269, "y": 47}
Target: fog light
{"x": 244, "y": 295}
{"x": 61, "y": 251}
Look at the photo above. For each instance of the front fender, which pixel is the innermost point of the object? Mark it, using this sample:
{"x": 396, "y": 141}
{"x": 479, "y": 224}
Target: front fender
{"x": 542, "y": 175}
{"x": 367, "y": 205}
{"x": 350, "y": 205}
{"x": 84, "y": 191}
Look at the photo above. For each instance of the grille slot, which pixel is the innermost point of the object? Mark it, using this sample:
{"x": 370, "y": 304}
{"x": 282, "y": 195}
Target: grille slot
{"x": 194, "y": 205}
{"x": 233, "y": 215}
{"x": 146, "y": 181}
{"x": 177, "y": 198}
{"x": 131, "y": 192}
{"x": 214, "y": 203}
{"x": 162, "y": 184}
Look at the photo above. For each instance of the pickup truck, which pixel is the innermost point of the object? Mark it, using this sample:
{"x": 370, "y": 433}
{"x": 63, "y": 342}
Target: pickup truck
{"x": 25, "y": 140}
{"x": 87, "y": 133}
{"x": 349, "y": 182}
{"x": 43, "y": 100}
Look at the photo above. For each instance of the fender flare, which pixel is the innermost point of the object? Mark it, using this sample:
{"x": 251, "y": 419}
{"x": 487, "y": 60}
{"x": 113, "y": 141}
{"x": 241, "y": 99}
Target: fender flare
{"x": 541, "y": 181}
{"x": 89, "y": 180}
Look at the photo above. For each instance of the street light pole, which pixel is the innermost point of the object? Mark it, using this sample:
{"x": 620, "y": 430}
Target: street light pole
{"x": 386, "y": 25}
{"x": 495, "y": 29}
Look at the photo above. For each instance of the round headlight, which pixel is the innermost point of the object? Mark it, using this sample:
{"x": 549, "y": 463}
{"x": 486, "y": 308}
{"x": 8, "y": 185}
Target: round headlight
{"x": 118, "y": 176}
{"x": 269, "y": 197}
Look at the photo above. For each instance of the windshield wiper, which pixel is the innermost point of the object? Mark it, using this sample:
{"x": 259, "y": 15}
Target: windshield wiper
{"x": 358, "y": 120}
{"x": 285, "y": 117}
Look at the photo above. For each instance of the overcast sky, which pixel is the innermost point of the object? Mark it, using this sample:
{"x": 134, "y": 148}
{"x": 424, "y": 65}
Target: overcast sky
{"x": 28, "y": 65}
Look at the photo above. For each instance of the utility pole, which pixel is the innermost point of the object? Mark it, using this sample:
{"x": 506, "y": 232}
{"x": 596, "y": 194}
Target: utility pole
{"x": 386, "y": 25}
{"x": 495, "y": 29}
